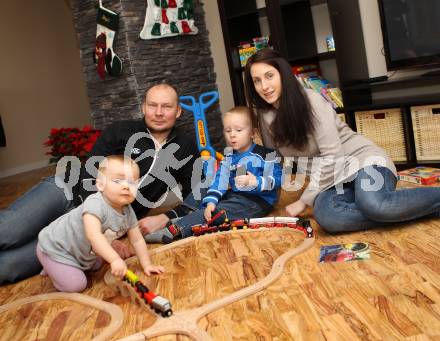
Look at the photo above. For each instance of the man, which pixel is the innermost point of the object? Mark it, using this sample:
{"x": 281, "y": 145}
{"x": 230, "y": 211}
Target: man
{"x": 165, "y": 157}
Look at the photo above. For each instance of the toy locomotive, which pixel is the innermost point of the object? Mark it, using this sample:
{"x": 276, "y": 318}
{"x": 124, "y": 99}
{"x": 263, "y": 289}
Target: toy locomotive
{"x": 254, "y": 223}
{"x": 157, "y": 303}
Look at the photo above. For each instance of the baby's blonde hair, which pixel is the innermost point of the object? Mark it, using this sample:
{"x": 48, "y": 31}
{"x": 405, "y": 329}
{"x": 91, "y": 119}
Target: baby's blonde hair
{"x": 242, "y": 110}
{"x": 125, "y": 160}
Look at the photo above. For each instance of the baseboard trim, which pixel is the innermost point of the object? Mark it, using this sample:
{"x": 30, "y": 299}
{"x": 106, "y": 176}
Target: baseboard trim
{"x": 24, "y": 168}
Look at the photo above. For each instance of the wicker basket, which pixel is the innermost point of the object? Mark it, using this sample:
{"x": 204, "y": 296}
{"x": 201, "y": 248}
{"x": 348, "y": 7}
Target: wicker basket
{"x": 426, "y": 126}
{"x": 384, "y": 128}
{"x": 341, "y": 117}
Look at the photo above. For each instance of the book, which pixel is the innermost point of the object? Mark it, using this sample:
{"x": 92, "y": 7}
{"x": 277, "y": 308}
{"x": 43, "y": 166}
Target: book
{"x": 245, "y": 51}
{"x": 330, "y": 43}
{"x": 420, "y": 175}
{"x": 309, "y": 77}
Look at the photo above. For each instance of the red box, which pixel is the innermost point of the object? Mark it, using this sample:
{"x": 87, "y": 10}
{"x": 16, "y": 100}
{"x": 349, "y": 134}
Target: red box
{"x": 420, "y": 175}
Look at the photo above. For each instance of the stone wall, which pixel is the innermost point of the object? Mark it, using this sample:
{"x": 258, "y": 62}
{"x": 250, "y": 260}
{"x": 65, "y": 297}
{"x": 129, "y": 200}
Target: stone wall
{"x": 184, "y": 61}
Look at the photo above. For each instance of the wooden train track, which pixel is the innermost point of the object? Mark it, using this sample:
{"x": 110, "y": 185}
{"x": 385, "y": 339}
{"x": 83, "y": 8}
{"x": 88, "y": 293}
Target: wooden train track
{"x": 185, "y": 322}
{"x": 116, "y": 314}
{"x": 181, "y": 322}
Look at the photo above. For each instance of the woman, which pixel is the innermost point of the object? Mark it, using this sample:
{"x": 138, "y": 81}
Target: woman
{"x": 352, "y": 181}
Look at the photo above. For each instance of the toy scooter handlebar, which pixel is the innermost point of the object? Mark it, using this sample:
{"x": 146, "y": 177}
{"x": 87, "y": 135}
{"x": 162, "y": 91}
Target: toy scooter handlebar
{"x": 209, "y": 102}
{"x": 192, "y": 107}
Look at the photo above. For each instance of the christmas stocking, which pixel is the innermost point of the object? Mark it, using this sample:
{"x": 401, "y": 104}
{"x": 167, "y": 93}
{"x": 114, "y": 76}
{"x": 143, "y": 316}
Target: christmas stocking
{"x": 166, "y": 18}
{"x": 104, "y": 57}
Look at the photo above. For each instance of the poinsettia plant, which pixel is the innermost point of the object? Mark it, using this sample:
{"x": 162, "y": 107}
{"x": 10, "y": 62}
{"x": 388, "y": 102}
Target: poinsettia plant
{"x": 71, "y": 142}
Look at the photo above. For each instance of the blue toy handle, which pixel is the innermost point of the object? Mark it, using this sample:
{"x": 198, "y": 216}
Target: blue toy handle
{"x": 192, "y": 107}
{"x": 209, "y": 102}
{"x": 198, "y": 108}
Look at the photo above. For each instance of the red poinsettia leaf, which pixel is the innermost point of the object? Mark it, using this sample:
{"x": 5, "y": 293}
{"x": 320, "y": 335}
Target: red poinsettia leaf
{"x": 71, "y": 141}
{"x": 88, "y": 146}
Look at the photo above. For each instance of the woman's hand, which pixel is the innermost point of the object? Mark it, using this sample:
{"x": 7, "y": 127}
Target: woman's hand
{"x": 153, "y": 269}
{"x": 248, "y": 180}
{"x": 208, "y": 211}
{"x": 295, "y": 208}
{"x": 118, "y": 267}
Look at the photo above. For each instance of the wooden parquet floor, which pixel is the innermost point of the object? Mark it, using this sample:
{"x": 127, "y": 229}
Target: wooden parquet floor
{"x": 395, "y": 295}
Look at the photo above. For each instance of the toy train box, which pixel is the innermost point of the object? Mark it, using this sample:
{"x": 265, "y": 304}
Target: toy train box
{"x": 420, "y": 175}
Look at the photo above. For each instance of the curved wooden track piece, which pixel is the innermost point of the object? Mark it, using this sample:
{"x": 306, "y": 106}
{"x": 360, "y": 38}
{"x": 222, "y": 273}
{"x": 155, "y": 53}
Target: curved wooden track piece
{"x": 116, "y": 314}
{"x": 185, "y": 322}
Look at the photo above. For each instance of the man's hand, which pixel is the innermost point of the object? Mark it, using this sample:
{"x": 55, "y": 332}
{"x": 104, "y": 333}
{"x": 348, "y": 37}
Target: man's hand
{"x": 153, "y": 269}
{"x": 123, "y": 250}
{"x": 248, "y": 180}
{"x": 208, "y": 211}
{"x": 152, "y": 223}
{"x": 295, "y": 208}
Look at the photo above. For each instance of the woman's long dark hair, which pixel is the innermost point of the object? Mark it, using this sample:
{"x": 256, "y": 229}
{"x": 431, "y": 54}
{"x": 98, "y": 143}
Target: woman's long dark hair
{"x": 293, "y": 122}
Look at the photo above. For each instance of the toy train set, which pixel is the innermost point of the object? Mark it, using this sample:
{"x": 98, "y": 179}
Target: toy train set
{"x": 217, "y": 224}
{"x": 254, "y": 223}
{"x": 158, "y": 303}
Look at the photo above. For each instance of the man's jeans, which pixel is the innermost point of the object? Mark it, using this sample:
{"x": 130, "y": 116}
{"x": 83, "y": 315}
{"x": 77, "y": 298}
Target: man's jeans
{"x": 361, "y": 206}
{"x": 237, "y": 206}
{"x": 20, "y": 224}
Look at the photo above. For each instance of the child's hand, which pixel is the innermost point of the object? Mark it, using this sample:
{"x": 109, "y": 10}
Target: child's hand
{"x": 208, "y": 211}
{"x": 248, "y": 180}
{"x": 118, "y": 267}
{"x": 153, "y": 269}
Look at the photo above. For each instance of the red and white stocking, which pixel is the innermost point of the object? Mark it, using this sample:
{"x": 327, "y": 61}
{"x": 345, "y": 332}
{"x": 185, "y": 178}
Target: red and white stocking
{"x": 104, "y": 57}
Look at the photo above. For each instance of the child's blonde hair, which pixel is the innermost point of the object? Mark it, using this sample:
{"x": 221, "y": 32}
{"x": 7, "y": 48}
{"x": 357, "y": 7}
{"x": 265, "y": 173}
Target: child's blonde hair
{"x": 242, "y": 110}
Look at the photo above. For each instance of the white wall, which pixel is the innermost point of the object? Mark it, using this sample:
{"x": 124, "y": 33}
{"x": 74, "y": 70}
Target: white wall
{"x": 213, "y": 24}
{"x": 41, "y": 82}
{"x": 322, "y": 26}
{"x": 370, "y": 18}
{"x": 323, "y": 29}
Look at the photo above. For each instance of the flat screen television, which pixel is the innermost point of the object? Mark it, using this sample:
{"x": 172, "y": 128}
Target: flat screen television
{"x": 411, "y": 32}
